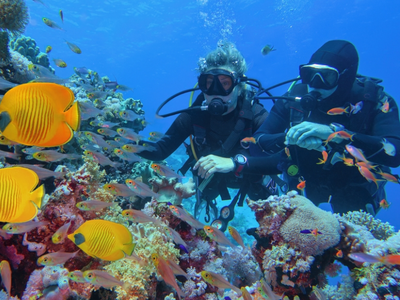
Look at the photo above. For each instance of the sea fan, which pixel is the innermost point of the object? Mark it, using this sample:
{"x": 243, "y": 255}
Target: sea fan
{"x": 13, "y": 16}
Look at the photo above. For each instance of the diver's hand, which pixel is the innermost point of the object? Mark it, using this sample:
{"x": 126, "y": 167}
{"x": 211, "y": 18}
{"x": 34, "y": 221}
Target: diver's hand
{"x": 210, "y": 164}
{"x": 311, "y": 143}
{"x": 299, "y": 133}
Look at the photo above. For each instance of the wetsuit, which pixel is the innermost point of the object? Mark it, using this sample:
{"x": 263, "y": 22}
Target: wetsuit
{"x": 348, "y": 188}
{"x": 217, "y": 130}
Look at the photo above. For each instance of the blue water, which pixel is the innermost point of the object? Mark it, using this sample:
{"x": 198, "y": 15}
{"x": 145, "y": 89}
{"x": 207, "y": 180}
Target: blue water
{"x": 153, "y": 46}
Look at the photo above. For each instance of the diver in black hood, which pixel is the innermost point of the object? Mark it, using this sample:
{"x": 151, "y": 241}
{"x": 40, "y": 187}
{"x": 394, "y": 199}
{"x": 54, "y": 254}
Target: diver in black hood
{"x": 341, "y": 138}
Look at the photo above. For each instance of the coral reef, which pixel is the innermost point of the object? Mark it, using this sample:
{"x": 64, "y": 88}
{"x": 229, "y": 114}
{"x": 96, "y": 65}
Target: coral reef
{"x": 27, "y": 47}
{"x": 171, "y": 190}
{"x": 17, "y": 69}
{"x": 13, "y": 16}
{"x": 5, "y": 56}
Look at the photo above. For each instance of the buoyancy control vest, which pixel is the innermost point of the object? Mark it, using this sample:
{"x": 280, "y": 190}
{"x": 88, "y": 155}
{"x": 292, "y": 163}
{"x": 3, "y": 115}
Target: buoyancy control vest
{"x": 364, "y": 89}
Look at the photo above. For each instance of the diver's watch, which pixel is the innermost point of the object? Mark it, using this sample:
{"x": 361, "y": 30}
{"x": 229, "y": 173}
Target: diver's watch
{"x": 336, "y": 127}
{"x": 240, "y": 161}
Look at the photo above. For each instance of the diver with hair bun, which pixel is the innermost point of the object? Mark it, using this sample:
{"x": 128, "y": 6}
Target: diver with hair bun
{"x": 223, "y": 114}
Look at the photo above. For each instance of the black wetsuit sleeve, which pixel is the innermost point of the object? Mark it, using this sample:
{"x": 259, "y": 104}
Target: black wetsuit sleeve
{"x": 270, "y": 136}
{"x": 264, "y": 155}
{"x": 180, "y": 129}
{"x": 385, "y": 126}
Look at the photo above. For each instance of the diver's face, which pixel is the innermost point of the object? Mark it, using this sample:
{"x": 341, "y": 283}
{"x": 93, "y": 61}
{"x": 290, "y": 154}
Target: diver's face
{"x": 230, "y": 100}
{"x": 225, "y": 81}
{"x": 324, "y": 93}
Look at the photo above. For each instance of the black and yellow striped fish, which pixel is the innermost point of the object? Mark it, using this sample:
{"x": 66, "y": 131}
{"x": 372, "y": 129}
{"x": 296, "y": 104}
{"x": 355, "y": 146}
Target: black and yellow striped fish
{"x": 39, "y": 114}
{"x": 19, "y": 200}
{"x": 103, "y": 239}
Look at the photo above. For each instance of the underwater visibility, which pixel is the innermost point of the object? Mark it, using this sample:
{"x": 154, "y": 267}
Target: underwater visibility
{"x": 199, "y": 149}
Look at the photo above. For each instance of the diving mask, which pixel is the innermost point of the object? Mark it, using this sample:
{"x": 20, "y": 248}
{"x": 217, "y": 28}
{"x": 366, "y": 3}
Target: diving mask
{"x": 320, "y": 76}
{"x": 218, "y": 82}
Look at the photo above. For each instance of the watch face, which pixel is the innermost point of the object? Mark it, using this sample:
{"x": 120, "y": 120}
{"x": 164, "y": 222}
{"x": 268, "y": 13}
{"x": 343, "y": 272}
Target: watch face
{"x": 240, "y": 159}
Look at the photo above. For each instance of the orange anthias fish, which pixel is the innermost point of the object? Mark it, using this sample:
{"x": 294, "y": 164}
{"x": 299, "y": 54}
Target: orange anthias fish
{"x": 48, "y": 108}
{"x": 103, "y": 239}
{"x": 5, "y": 272}
{"x": 324, "y": 158}
{"x": 219, "y": 281}
{"x": 367, "y": 174}
{"x": 339, "y": 253}
{"x": 356, "y": 153}
{"x": 302, "y": 185}
{"x": 391, "y": 259}
{"x": 385, "y": 106}
{"x": 166, "y": 273}
{"x": 341, "y": 134}
{"x": 347, "y": 161}
{"x": 20, "y": 200}
{"x": 389, "y": 177}
{"x": 338, "y": 111}
{"x": 248, "y": 140}
{"x": 384, "y": 204}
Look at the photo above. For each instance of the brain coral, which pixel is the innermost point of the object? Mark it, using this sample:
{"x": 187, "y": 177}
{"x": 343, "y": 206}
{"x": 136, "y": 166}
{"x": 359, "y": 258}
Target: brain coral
{"x": 307, "y": 216}
{"x": 13, "y": 15}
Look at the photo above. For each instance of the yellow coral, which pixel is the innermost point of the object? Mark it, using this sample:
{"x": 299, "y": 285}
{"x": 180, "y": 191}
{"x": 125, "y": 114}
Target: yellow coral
{"x": 149, "y": 239}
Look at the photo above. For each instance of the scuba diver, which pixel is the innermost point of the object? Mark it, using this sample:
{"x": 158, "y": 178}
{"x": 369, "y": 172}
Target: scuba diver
{"x": 219, "y": 119}
{"x": 337, "y": 132}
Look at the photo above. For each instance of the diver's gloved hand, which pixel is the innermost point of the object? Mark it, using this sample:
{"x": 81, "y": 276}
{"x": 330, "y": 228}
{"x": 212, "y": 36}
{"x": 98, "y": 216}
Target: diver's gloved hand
{"x": 311, "y": 143}
{"x": 297, "y": 135}
{"x": 210, "y": 164}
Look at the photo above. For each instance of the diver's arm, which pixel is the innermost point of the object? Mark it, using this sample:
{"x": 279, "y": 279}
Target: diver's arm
{"x": 385, "y": 126}
{"x": 270, "y": 137}
{"x": 180, "y": 129}
{"x": 267, "y": 165}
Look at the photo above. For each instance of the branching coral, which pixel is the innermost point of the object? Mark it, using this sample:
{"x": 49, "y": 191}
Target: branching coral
{"x": 380, "y": 230}
{"x": 171, "y": 190}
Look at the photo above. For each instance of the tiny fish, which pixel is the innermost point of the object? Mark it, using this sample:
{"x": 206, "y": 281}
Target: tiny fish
{"x": 219, "y": 281}
{"x": 356, "y": 153}
{"x": 138, "y": 216}
{"x": 356, "y": 107}
{"x": 217, "y": 235}
{"x": 129, "y": 134}
{"x": 130, "y": 157}
{"x": 164, "y": 171}
{"x": 17, "y": 228}
{"x": 107, "y": 132}
{"x": 140, "y": 189}
{"x": 119, "y": 189}
{"x": 48, "y": 49}
{"x": 302, "y": 185}
{"x": 389, "y": 148}
{"x": 42, "y": 172}
{"x": 61, "y": 233}
{"x": 106, "y": 124}
{"x": 51, "y": 23}
{"x": 93, "y": 205}
{"x": 5, "y": 272}
{"x": 56, "y": 258}
{"x": 323, "y": 159}
{"x": 236, "y": 236}
{"x": 53, "y": 155}
{"x": 385, "y": 106}
{"x": 185, "y": 216}
{"x": 61, "y": 15}
{"x": 267, "y": 49}
{"x": 384, "y": 204}
{"x": 101, "y": 278}
{"x": 128, "y": 115}
{"x": 74, "y": 48}
{"x": 101, "y": 158}
{"x": 314, "y": 232}
{"x": 76, "y": 276}
{"x": 339, "y": 253}
{"x": 338, "y": 111}
{"x": 249, "y": 140}
{"x": 60, "y": 63}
